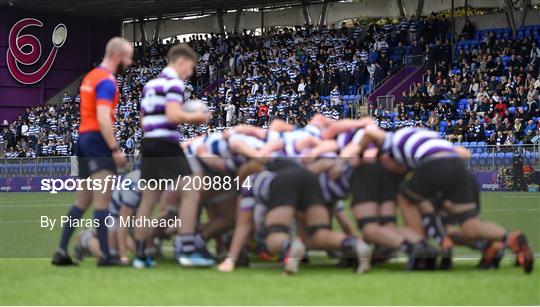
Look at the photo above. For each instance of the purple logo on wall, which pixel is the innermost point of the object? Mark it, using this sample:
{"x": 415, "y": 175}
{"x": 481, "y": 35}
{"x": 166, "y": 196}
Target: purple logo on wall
{"x": 17, "y": 56}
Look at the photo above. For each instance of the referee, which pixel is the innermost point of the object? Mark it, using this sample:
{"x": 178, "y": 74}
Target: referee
{"x": 98, "y": 153}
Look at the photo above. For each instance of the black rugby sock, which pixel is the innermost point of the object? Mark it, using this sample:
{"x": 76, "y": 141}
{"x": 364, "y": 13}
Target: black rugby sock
{"x": 140, "y": 249}
{"x": 74, "y": 213}
{"x": 102, "y": 232}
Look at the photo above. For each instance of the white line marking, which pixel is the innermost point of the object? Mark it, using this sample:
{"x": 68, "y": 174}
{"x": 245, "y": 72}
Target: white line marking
{"x": 39, "y": 205}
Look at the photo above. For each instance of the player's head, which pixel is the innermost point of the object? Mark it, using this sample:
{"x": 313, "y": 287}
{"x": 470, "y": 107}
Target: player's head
{"x": 120, "y": 53}
{"x": 182, "y": 59}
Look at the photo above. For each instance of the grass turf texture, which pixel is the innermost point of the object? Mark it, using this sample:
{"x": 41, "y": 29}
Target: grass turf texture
{"x": 27, "y": 278}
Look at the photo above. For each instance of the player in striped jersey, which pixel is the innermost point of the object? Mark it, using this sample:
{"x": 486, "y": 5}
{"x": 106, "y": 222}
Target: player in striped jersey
{"x": 162, "y": 157}
{"x": 374, "y": 191}
{"x": 437, "y": 169}
{"x": 286, "y": 191}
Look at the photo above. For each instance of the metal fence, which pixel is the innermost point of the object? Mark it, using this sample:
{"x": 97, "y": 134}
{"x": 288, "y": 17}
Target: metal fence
{"x": 493, "y": 157}
{"x": 48, "y": 166}
{"x": 484, "y": 157}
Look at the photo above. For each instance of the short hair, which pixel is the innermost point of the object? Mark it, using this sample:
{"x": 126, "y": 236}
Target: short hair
{"x": 181, "y": 51}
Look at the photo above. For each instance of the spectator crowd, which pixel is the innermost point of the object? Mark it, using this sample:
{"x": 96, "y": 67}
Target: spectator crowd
{"x": 490, "y": 92}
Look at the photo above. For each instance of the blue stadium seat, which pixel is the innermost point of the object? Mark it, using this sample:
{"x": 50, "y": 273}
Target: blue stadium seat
{"x": 475, "y": 159}
{"x": 508, "y": 158}
{"x": 484, "y": 159}
{"x": 480, "y": 147}
{"x": 499, "y": 159}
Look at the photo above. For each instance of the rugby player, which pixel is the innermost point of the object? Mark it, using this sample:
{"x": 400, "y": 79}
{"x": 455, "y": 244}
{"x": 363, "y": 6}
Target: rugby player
{"x": 438, "y": 170}
{"x": 97, "y": 149}
{"x": 162, "y": 156}
{"x": 123, "y": 206}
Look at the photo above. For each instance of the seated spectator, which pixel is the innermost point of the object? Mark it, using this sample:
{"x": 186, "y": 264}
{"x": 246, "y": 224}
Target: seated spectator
{"x": 458, "y": 131}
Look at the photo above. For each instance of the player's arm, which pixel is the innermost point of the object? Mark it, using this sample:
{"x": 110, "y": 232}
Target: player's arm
{"x": 351, "y": 152}
{"x": 280, "y": 125}
{"x": 345, "y": 124}
{"x": 243, "y": 148}
{"x": 242, "y": 230}
{"x": 320, "y": 121}
{"x": 257, "y": 132}
{"x": 173, "y": 107}
{"x": 271, "y": 147}
{"x": 372, "y": 135}
{"x": 320, "y": 166}
{"x": 175, "y": 114}
{"x": 105, "y": 93}
{"x": 321, "y": 148}
{"x": 307, "y": 142}
{"x": 210, "y": 159}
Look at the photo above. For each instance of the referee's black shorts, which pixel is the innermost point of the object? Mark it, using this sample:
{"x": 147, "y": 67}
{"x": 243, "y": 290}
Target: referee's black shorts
{"x": 93, "y": 154}
{"x": 163, "y": 159}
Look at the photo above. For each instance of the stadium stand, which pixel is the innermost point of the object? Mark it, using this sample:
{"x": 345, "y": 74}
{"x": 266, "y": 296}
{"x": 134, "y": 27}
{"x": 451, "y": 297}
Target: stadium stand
{"x": 487, "y": 97}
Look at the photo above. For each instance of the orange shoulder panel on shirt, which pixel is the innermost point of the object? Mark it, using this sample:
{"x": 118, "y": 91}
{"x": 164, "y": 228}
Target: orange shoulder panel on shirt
{"x": 89, "y": 102}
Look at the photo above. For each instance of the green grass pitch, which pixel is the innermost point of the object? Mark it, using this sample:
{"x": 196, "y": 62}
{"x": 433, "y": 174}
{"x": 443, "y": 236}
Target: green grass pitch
{"x": 27, "y": 278}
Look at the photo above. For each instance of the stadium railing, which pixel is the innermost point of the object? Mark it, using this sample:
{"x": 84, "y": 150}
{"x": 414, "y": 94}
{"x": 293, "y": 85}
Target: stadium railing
{"x": 483, "y": 157}
{"x": 493, "y": 157}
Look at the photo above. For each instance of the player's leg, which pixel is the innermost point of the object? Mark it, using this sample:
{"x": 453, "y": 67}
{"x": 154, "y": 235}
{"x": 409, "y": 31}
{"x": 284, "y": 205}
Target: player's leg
{"x": 411, "y": 215}
{"x": 284, "y": 192}
{"x": 323, "y": 237}
{"x": 278, "y": 238}
{"x": 373, "y": 186}
{"x": 463, "y": 205}
{"x": 87, "y": 245}
{"x": 83, "y": 199}
{"x": 221, "y": 215}
{"x": 190, "y": 254}
{"x": 149, "y": 198}
{"x": 101, "y": 200}
{"x": 343, "y": 219}
{"x": 474, "y": 229}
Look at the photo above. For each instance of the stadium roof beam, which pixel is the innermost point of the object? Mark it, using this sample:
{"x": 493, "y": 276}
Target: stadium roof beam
{"x": 402, "y": 13}
{"x": 305, "y": 12}
{"x": 526, "y": 4}
{"x": 144, "y": 39}
{"x": 324, "y": 11}
{"x": 262, "y": 19}
{"x": 159, "y": 21}
{"x": 237, "y": 19}
{"x": 128, "y": 9}
{"x": 220, "y": 22}
{"x": 510, "y": 15}
{"x": 419, "y": 8}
